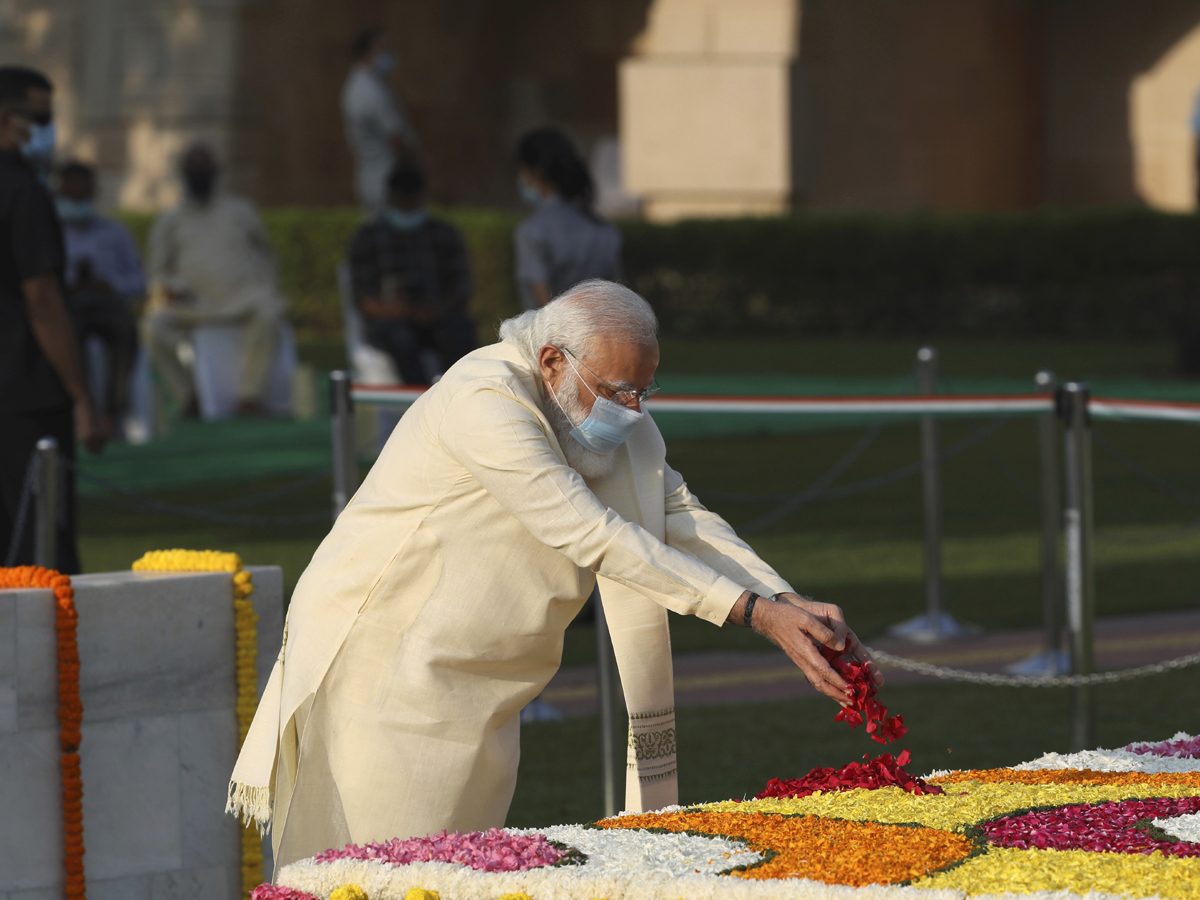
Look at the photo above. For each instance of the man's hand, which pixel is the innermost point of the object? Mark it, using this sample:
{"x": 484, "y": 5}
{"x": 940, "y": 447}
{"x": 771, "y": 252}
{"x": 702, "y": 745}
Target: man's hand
{"x": 374, "y": 308}
{"x": 425, "y": 315}
{"x": 89, "y": 429}
{"x": 831, "y": 616}
{"x": 800, "y": 627}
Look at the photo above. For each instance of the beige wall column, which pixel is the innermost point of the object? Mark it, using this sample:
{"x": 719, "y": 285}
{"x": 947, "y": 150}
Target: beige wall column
{"x": 135, "y": 82}
{"x": 706, "y": 108}
{"x": 1162, "y": 101}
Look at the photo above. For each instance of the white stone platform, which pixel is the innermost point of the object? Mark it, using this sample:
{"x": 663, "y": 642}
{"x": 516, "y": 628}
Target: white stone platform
{"x": 159, "y": 730}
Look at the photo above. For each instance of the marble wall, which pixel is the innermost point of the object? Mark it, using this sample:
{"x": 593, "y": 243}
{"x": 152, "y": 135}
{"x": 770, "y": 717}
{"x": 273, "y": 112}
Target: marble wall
{"x": 159, "y": 734}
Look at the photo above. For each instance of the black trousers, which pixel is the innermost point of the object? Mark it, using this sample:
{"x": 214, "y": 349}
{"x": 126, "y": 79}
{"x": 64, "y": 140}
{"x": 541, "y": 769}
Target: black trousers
{"x": 108, "y": 316}
{"x": 19, "y": 434}
{"x": 451, "y": 337}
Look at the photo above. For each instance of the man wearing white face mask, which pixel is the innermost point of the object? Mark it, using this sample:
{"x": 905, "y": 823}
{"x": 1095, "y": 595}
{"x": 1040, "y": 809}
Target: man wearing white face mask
{"x": 377, "y": 126}
{"x": 412, "y": 283}
{"x": 435, "y": 608}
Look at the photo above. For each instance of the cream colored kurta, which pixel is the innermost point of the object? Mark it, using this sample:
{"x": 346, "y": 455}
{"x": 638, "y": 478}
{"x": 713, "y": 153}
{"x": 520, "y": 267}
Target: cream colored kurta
{"x": 435, "y": 610}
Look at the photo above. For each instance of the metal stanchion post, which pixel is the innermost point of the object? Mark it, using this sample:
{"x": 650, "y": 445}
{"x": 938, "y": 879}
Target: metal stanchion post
{"x": 45, "y": 519}
{"x": 606, "y": 693}
{"x": 931, "y": 494}
{"x": 935, "y": 623}
{"x": 1080, "y": 571}
{"x": 345, "y": 456}
{"x": 1052, "y": 660}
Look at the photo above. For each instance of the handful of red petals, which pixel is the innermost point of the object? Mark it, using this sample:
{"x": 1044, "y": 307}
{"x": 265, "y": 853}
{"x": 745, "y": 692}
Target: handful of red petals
{"x": 882, "y": 771}
{"x": 863, "y": 704}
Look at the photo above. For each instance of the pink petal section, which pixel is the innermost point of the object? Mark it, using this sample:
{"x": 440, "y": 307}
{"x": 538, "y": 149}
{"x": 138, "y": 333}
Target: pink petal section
{"x": 488, "y": 851}
{"x": 1181, "y": 749}
{"x": 278, "y": 892}
{"x": 1102, "y": 827}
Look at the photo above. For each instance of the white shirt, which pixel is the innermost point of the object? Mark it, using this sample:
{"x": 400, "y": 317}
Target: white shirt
{"x": 374, "y": 117}
{"x": 218, "y": 251}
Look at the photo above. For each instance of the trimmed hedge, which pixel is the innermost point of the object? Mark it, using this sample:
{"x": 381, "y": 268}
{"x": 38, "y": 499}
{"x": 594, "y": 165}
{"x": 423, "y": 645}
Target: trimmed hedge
{"x": 1092, "y": 273}
{"x": 310, "y": 243}
{"x": 1048, "y": 273}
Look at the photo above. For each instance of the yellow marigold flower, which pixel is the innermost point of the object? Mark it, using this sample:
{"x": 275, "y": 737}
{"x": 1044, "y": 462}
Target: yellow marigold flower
{"x": 350, "y": 892}
{"x": 419, "y": 894}
{"x": 516, "y": 896}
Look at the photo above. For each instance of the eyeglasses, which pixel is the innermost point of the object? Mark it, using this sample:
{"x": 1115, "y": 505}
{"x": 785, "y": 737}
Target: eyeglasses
{"x": 617, "y": 394}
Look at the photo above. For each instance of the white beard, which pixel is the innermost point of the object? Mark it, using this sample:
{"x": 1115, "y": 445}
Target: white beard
{"x": 563, "y": 411}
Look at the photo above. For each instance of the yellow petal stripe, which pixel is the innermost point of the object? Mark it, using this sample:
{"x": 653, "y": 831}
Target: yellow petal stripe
{"x": 245, "y": 622}
{"x": 1003, "y": 870}
{"x": 963, "y": 804}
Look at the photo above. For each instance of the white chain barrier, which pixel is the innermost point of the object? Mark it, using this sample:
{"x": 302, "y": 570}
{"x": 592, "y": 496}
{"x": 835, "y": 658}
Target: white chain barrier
{"x": 897, "y": 406}
{"x": 996, "y": 680}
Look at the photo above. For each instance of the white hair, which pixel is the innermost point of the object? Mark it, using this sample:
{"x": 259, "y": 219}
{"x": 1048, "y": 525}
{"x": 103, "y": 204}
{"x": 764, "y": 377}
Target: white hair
{"x": 593, "y": 311}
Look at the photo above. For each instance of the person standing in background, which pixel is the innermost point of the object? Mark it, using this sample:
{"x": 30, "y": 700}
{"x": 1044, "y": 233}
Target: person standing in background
{"x": 412, "y": 282}
{"x": 563, "y": 242}
{"x": 377, "y": 125}
{"x": 211, "y": 263}
{"x": 42, "y": 388}
{"x": 104, "y": 281}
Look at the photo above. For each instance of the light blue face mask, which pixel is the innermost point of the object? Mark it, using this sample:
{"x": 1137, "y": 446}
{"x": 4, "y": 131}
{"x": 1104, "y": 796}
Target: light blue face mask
{"x": 529, "y": 194}
{"x": 405, "y": 220}
{"x": 607, "y": 426}
{"x": 384, "y": 63}
{"x": 75, "y": 210}
{"x": 39, "y": 149}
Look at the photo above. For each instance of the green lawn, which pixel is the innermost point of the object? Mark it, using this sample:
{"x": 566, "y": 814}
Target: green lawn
{"x": 862, "y": 552}
{"x": 732, "y": 751}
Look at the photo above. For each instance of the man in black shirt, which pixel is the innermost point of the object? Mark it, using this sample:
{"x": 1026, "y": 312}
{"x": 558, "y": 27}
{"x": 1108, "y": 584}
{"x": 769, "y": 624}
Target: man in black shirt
{"x": 42, "y": 388}
{"x": 411, "y": 282}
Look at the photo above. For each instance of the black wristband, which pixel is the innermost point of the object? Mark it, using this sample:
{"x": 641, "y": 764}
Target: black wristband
{"x": 748, "y": 612}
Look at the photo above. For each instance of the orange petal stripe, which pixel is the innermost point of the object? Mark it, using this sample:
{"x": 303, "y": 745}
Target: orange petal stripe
{"x": 70, "y": 713}
{"x": 829, "y": 850}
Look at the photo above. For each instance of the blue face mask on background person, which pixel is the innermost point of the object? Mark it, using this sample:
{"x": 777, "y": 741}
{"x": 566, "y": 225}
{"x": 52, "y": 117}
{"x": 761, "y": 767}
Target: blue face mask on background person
{"x": 75, "y": 210}
{"x": 39, "y": 149}
{"x": 384, "y": 63}
{"x": 405, "y": 220}
{"x": 607, "y": 426}
{"x": 529, "y": 194}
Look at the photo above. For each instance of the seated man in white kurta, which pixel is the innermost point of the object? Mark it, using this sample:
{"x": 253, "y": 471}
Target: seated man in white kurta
{"x": 435, "y": 608}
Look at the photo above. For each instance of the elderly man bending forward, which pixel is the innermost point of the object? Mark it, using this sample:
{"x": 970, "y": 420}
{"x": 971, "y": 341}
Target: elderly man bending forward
{"x": 435, "y": 608}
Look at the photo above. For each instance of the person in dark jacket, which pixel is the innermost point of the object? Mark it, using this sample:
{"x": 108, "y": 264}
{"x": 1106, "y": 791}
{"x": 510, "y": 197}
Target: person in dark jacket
{"x": 412, "y": 282}
{"x": 42, "y": 388}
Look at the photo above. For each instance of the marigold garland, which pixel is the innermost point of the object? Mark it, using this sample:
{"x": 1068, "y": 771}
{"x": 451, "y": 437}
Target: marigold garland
{"x": 246, "y": 669}
{"x": 70, "y": 713}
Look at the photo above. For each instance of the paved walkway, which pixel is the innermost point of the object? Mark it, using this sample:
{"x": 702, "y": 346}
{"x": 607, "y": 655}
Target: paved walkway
{"x": 764, "y": 676}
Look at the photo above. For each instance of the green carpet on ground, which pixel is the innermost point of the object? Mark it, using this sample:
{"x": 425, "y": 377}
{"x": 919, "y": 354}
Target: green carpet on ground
{"x": 194, "y": 453}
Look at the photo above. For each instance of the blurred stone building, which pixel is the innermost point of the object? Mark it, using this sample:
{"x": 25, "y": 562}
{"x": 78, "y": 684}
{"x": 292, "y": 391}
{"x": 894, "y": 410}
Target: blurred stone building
{"x": 721, "y": 106}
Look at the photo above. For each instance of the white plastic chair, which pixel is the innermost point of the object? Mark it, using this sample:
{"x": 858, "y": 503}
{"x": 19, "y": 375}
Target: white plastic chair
{"x": 217, "y": 365}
